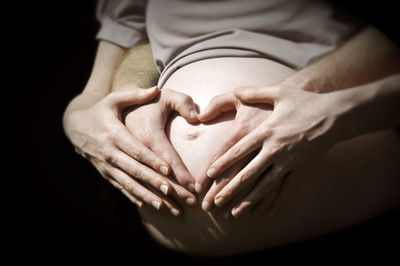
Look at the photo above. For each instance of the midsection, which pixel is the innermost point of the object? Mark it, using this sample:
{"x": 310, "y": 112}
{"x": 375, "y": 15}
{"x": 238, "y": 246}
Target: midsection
{"x": 314, "y": 200}
{"x": 203, "y": 80}
{"x": 195, "y": 230}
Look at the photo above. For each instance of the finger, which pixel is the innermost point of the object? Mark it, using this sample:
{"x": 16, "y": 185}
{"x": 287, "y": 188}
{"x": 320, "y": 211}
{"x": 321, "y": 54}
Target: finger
{"x": 180, "y": 192}
{"x": 132, "y": 198}
{"x": 128, "y": 143}
{"x": 180, "y": 102}
{"x": 139, "y": 171}
{"x": 219, "y": 104}
{"x": 257, "y": 94}
{"x": 164, "y": 148}
{"x": 232, "y": 137}
{"x": 247, "y": 176}
{"x": 241, "y": 149}
{"x": 167, "y": 202}
{"x": 134, "y": 188}
{"x": 267, "y": 184}
{"x": 216, "y": 187}
{"x": 128, "y": 97}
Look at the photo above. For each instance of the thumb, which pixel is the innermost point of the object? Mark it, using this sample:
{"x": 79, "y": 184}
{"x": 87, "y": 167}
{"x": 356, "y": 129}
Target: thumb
{"x": 269, "y": 94}
{"x": 218, "y": 105}
{"x": 181, "y": 103}
{"x": 125, "y": 98}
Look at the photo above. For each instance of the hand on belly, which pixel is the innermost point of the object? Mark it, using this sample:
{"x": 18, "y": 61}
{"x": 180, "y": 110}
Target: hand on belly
{"x": 199, "y": 145}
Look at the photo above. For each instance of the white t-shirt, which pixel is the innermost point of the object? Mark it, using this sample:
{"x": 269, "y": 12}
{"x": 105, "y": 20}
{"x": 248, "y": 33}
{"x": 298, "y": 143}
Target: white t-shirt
{"x": 291, "y": 32}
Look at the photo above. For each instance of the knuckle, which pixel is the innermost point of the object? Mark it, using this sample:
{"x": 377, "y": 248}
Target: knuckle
{"x": 236, "y": 150}
{"x": 111, "y": 136}
{"x": 186, "y": 99}
{"x": 266, "y": 130}
{"x": 216, "y": 99}
{"x": 119, "y": 187}
{"x": 137, "y": 154}
{"x": 107, "y": 155}
{"x": 243, "y": 178}
{"x": 132, "y": 189}
{"x": 170, "y": 159}
{"x": 135, "y": 172}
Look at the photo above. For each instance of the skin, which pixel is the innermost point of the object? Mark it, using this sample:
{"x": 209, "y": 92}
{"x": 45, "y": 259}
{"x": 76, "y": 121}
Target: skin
{"x": 118, "y": 154}
{"x": 247, "y": 109}
{"x": 324, "y": 75}
{"x": 303, "y": 126}
{"x": 334, "y": 72}
{"x": 355, "y": 180}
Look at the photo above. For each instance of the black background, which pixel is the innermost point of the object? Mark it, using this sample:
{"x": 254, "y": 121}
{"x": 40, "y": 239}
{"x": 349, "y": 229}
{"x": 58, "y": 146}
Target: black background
{"x": 55, "y": 205}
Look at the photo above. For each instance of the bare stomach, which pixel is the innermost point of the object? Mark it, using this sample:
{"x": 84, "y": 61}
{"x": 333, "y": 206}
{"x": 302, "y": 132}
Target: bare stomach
{"x": 357, "y": 179}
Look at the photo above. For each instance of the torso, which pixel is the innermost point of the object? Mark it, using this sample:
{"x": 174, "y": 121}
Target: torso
{"x": 302, "y": 208}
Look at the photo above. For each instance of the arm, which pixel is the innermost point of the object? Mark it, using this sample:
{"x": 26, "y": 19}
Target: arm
{"x": 107, "y": 59}
{"x": 147, "y": 122}
{"x": 302, "y": 126}
{"x": 92, "y": 122}
{"x": 366, "y": 57}
{"x": 368, "y": 108}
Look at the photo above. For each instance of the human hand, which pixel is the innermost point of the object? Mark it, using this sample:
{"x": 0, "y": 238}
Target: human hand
{"x": 299, "y": 128}
{"x": 99, "y": 135}
{"x": 247, "y": 118}
{"x": 147, "y": 123}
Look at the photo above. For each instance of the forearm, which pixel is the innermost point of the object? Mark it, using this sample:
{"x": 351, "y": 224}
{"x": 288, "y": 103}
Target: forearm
{"x": 367, "y": 108}
{"x": 98, "y": 86}
{"x": 366, "y": 57}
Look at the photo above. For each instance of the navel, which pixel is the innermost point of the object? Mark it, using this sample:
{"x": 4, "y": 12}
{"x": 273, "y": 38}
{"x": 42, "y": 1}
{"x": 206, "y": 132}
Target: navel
{"x": 193, "y": 133}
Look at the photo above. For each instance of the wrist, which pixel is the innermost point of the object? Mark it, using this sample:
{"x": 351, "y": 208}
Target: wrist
{"x": 82, "y": 101}
{"x": 308, "y": 80}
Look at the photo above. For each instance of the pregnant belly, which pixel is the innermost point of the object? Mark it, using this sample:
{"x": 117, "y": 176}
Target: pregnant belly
{"x": 355, "y": 180}
{"x": 196, "y": 231}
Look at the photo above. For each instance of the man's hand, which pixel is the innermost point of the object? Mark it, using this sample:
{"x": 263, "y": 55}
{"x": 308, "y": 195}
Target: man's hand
{"x": 297, "y": 130}
{"x": 247, "y": 118}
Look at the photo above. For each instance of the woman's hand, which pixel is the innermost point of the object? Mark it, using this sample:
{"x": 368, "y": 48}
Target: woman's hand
{"x": 147, "y": 123}
{"x": 298, "y": 130}
{"x": 247, "y": 118}
{"x": 99, "y": 135}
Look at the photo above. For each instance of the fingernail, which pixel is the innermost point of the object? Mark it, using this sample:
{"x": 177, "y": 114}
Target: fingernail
{"x": 164, "y": 189}
{"x": 190, "y": 201}
{"x": 193, "y": 114}
{"x": 156, "y": 204}
{"x": 175, "y": 211}
{"x": 197, "y": 187}
{"x": 218, "y": 201}
{"x": 236, "y": 212}
{"x": 191, "y": 187}
{"x": 139, "y": 204}
{"x": 164, "y": 170}
{"x": 205, "y": 205}
{"x": 211, "y": 172}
